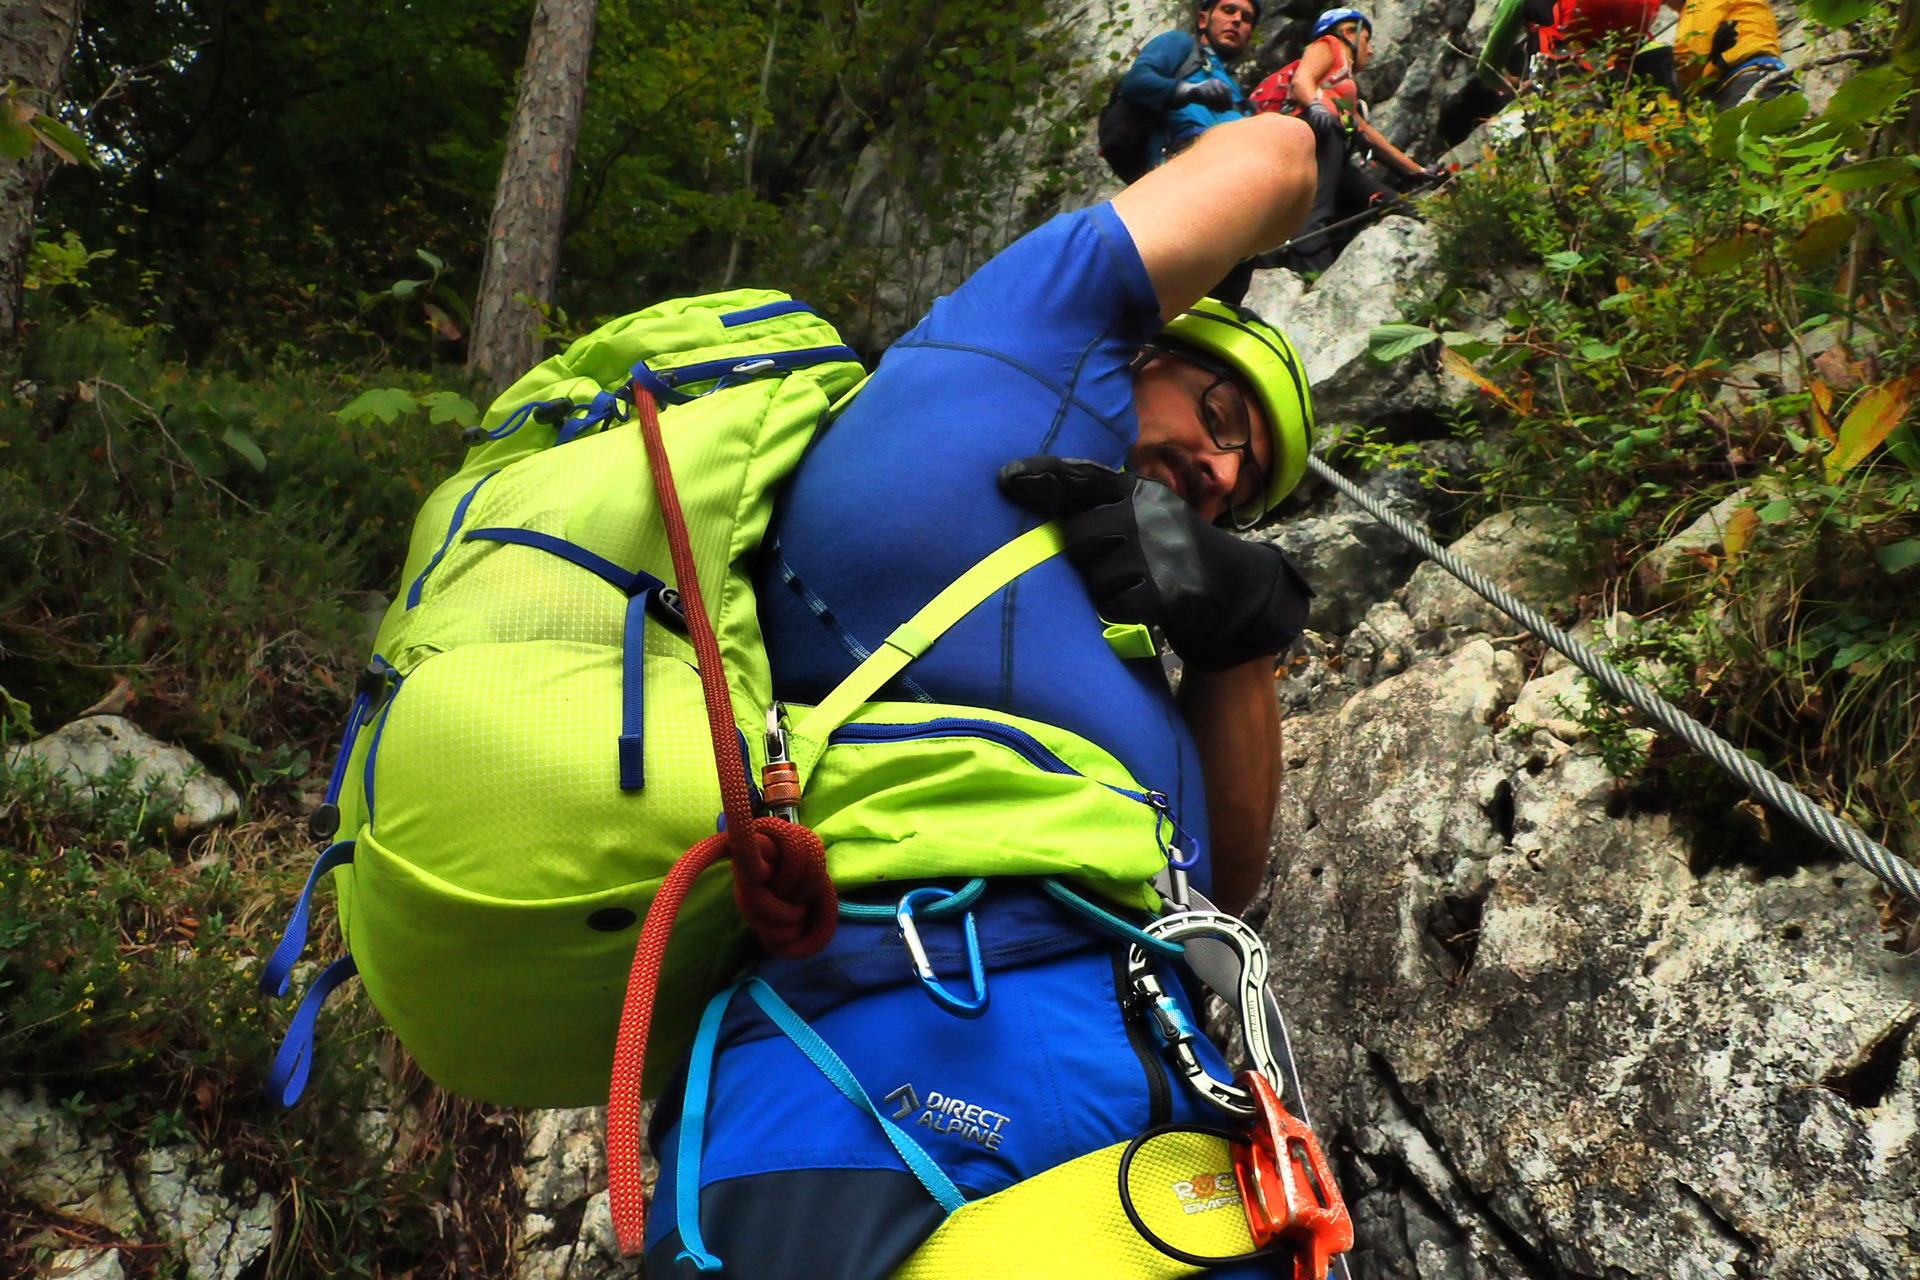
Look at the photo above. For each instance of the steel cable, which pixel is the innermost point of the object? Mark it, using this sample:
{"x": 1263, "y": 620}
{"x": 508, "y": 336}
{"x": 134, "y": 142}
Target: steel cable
{"x": 1899, "y": 875}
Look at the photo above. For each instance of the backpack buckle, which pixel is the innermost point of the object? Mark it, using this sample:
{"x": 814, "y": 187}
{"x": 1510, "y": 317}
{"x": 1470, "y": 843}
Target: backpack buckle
{"x": 1287, "y": 1186}
{"x": 780, "y": 776}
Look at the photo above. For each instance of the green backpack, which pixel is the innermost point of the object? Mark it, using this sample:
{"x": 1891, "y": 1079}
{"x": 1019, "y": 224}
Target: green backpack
{"x": 528, "y": 752}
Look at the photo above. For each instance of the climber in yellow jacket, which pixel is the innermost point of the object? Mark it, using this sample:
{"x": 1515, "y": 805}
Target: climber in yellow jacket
{"x": 1727, "y": 51}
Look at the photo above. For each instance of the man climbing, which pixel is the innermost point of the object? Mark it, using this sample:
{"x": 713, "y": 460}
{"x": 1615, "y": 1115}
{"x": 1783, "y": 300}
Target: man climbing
{"x": 1181, "y": 82}
{"x": 1529, "y": 39}
{"x": 1077, "y": 374}
{"x": 1320, "y": 88}
{"x": 1727, "y": 51}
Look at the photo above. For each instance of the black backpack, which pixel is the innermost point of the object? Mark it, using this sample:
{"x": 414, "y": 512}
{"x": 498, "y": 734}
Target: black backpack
{"x": 1125, "y": 128}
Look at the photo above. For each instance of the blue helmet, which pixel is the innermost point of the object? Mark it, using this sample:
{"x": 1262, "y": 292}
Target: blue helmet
{"x": 1334, "y": 17}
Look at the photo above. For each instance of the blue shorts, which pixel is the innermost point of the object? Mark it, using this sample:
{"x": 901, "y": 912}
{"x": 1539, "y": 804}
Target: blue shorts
{"x": 797, "y": 1183}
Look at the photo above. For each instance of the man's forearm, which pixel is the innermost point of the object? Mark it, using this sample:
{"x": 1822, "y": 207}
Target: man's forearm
{"x": 1235, "y": 719}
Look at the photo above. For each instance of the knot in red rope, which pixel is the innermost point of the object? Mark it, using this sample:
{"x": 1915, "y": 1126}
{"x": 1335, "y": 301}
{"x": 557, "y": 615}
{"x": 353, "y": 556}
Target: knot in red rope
{"x": 781, "y": 886}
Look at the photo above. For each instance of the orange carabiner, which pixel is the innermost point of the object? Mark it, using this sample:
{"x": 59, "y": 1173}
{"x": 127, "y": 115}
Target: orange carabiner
{"x": 1286, "y": 1185}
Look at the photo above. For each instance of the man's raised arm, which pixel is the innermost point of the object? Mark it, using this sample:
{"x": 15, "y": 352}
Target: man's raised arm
{"x": 1243, "y": 188}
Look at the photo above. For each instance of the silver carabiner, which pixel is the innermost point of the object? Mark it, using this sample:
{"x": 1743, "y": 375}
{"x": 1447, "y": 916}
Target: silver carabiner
{"x": 1248, "y": 1001}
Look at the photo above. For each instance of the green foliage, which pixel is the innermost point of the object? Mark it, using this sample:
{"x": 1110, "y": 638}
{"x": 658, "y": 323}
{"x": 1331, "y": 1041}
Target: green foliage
{"x": 1690, "y": 268}
{"x": 128, "y": 992}
{"x": 208, "y": 537}
{"x": 262, "y": 168}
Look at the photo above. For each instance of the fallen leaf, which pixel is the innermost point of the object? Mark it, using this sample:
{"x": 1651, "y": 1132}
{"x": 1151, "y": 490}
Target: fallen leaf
{"x": 1739, "y": 530}
{"x": 1823, "y": 410}
{"x": 1874, "y": 415}
{"x": 1455, "y": 363}
{"x": 117, "y": 700}
{"x": 1839, "y": 370}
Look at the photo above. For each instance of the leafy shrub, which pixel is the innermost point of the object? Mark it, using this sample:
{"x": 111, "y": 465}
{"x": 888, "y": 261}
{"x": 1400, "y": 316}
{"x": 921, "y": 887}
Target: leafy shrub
{"x": 128, "y": 993}
{"x": 1664, "y": 281}
{"x": 213, "y": 538}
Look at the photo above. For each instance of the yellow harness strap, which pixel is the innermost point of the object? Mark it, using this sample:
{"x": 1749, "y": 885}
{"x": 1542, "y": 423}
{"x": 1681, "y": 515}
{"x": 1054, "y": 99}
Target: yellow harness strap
{"x": 917, "y": 634}
{"x": 1068, "y": 1223}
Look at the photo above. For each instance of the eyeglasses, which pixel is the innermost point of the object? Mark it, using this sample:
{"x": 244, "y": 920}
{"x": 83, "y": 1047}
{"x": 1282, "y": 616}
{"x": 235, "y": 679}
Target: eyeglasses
{"x": 1229, "y": 423}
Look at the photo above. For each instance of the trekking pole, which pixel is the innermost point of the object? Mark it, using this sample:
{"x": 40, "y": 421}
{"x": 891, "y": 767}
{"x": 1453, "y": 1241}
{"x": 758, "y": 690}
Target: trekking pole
{"x": 1377, "y": 208}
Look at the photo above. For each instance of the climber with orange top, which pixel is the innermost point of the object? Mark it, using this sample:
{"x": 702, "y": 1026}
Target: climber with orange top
{"x": 1320, "y": 88}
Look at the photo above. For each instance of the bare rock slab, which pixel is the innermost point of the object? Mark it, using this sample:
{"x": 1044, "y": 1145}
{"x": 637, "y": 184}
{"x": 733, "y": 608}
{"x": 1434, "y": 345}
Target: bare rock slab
{"x": 1539, "y": 1044}
{"x": 87, "y": 750}
{"x": 183, "y": 1196}
{"x": 1379, "y": 276}
{"x": 50, "y": 1162}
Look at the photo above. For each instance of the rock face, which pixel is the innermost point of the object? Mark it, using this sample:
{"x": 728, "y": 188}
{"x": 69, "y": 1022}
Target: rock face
{"x": 1537, "y": 1043}
{"x": 1380, "y": 275}
{"x": 174, "y": 1195}
{"x": 568, "y": 1233}
{"x": 86, "y": 751}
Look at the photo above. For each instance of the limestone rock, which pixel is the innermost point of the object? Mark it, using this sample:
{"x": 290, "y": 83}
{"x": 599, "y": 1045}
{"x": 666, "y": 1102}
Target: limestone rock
{"x": 183, "y": 1198}
{"x": 84, "y": 1264}
{"x": 1379, "y": 276}
{"x": 1695, "y": 547}
{"x": 568, "y": 1233}
{"x": 52, "y": 1163}
{"x": 1554, "y": 702}
{"x": 1538, "y": 1044}
{"x": 1351, "y": 560}
{"x": 1511, "y": 547}
{"x": 86, "y": 750}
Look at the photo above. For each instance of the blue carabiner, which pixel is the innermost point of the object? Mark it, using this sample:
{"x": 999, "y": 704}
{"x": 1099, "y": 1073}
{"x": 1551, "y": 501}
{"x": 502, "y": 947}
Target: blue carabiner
{"x": 959, "y": 1006}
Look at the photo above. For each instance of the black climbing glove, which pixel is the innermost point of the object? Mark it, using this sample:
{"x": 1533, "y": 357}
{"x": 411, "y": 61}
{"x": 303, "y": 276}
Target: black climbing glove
{"x": 1322, "y": 116}
{"x": 1213, "y": 93}
{"x": 1148, "y": 557}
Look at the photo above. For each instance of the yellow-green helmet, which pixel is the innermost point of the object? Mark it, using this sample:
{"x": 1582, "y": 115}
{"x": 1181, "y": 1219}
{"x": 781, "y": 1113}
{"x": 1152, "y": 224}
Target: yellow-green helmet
{"x": 1266, "y": 358}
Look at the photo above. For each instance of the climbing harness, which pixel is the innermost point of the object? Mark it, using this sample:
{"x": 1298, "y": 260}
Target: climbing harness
{"x": 1897, "y": 874}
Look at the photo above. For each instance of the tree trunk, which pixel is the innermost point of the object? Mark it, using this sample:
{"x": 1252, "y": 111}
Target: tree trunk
{"x": 529, "y": 208}
{"x": 35, "y": 38}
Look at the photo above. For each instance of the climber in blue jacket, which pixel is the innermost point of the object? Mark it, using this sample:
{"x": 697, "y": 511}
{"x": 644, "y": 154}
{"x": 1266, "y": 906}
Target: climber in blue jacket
{"x": 1182, "y": 76}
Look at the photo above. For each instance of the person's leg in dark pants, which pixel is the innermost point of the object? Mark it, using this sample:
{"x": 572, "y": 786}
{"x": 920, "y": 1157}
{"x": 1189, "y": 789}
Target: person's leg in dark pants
{"x": 1330, "y": 159}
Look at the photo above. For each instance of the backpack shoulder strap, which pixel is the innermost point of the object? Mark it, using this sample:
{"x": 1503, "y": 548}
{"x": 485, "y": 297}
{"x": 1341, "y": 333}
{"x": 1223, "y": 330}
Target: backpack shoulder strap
{"x": 917, "y": 634}
{"x": 1193, "y": 61}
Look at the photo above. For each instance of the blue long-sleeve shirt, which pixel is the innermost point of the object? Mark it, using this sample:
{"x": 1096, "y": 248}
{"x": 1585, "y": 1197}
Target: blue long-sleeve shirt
{"x": 1154, "y": 76}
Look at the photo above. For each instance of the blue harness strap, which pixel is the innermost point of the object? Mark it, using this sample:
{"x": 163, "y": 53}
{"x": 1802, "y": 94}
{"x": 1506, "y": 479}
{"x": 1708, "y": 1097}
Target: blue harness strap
{"x": 731, "y": 371}
{"x": 693, "y": 1113}
{"x": 641, "y": 589}
{"x": 287, "y": 1077}
{"x": 453, "y": 527}
{"x": 277, "y": 972}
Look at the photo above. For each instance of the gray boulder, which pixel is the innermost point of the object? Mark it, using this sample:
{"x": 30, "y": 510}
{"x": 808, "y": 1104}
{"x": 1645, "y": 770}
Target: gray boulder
{"x": 50, "y": 1162}
{"x": 568, "y": 1232}
{"x": 84, "y": 1264}
{"x": 1351, "y": 560}
{"x": 86, "y": 750}
{"x": 181, "y": 1191}
{"x": 1378, "y": 278}
{"x": 1514, "y": 548}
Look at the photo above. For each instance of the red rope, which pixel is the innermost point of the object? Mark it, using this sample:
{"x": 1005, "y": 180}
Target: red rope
{"x": 780, "y": 880}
